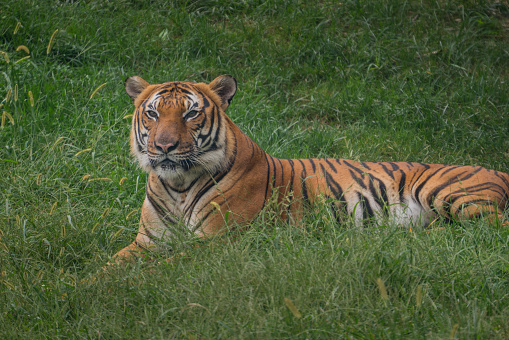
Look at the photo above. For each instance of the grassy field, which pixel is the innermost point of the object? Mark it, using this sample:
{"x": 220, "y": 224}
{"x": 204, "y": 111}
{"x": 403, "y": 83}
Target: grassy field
{"x": 424, "y": 81}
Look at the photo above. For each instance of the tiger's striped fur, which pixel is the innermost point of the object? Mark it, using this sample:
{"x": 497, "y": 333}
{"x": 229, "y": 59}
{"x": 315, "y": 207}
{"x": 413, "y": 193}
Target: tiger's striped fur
{"x": 200, "y": 162}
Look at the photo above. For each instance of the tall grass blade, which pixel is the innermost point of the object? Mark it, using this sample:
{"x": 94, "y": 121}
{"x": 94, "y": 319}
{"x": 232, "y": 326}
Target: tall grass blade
{"x": 418, "y": 296}
{"x": 18, "y": 25}
{"x": 381, "y": 288}
{"x": 454, "y": 330}
{"x": 51, "y": 41}
{"x": 6, "y": 56}
{"x": 23, "y": 48}
{"x": 291, "y": 306}
{"x": 97, "y": 90}
{"x": 31, "y": 97}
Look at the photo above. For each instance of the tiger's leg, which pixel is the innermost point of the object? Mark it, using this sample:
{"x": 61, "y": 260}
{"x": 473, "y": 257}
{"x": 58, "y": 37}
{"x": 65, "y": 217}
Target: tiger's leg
{"x": 470, "y": 207}
{"x": 129, "y": 253}
{"x": 470, "y": 211}
{"x": 142, "y": 245}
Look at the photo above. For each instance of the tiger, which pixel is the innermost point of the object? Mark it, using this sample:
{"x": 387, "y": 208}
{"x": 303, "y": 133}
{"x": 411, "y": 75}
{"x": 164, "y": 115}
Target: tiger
{"x": 201, "y": 166}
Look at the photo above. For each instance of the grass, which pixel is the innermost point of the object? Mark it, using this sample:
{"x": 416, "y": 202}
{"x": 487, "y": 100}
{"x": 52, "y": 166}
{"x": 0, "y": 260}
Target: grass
{"x": 375, "y": 81}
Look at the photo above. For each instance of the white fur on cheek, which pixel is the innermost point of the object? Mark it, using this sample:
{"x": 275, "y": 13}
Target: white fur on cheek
{"x": 142, "y": 158}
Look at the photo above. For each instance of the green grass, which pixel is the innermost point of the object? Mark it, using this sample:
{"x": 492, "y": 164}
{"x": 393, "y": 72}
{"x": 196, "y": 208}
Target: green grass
{"x": 424, "y": 81}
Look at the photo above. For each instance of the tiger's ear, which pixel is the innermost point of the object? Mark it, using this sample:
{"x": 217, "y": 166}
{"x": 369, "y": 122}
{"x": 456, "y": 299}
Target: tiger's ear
{"x": 134, "y": 86}
{"x": 225, "y": 87}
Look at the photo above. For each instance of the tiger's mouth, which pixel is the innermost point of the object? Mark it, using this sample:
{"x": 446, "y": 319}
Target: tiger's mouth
{"x": 167, "y": 164}
{"x": 171, "y": 165}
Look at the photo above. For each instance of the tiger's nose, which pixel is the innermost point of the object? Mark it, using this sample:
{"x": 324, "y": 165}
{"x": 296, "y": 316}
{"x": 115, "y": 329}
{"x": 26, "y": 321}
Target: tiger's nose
{"x": 166, "y": 147}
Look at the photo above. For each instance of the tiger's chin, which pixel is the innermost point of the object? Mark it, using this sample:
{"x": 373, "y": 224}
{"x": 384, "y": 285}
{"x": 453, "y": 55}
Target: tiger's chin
{"x": 175, "y": 175}
{"x": 169, "y": 165}
{"x": 171, "y": 170}
{"x": 164, "y": 169}
{"x": 179, "y": 174}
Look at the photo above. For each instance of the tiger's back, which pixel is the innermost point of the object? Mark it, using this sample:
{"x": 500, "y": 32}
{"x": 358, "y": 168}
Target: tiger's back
{"x": 202, "y": 167}
{"x": 408, "y": 192}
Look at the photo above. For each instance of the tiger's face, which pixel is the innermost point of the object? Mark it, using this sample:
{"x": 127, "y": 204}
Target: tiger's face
{"x": 178, "y": 127}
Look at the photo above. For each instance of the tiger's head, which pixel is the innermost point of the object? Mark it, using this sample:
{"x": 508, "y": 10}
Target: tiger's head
{"x": 180, "y": 128}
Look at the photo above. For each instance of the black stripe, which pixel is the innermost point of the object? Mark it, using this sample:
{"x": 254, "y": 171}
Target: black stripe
{"x": 273, "y": 172}
{"x": 419, "y": 188}
{"x": 394, "y": 166}
{"x": 209, "y": 139}
{"x": 206, "y": 102}
{"x": 450, "y": 169}
{"x": 138, "y": 134}
{"x": 163, "y": 214}
{"x": 304, "y": 188}
{"x": 181, "y": 88}
{"x": 292, "y": 174}
{"x": 503, "y": 177}
{"x": 168, "y": 187}
{"x": 473, "y": 190}
{"x": 267, "y": 180}
{"x": 312, "y": 164}
{"x": 147, "y": 232}
{"x": 453, "y": 198}
{"x": 334, "y": 186}
{"x": 204, "y": 189}
{"x": 219, "y": 126}
{"x": 355, "y": 168}
{"x": 387, "y": 171}
{"x": 331, "y": 165}
{"x": 401, "y": 187}
{"x": 206, "y": 135}
{"x": 470, "y": 175}
{"x": 385, "y": 198}
{"x": 357, "y": 179}
{"x": 367, "y": 211}
{"x": 412, "y": 182}
{"x": 160, "y": 93}
{"x": 380, "y": 197}
{"x": 162, "y": 203}
{"x": 441, "y": 187}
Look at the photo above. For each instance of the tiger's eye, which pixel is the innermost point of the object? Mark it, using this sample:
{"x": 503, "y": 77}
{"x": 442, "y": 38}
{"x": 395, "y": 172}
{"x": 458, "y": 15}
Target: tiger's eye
{"x": 152, "y": 114}
{"x": 191, "y": 114}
